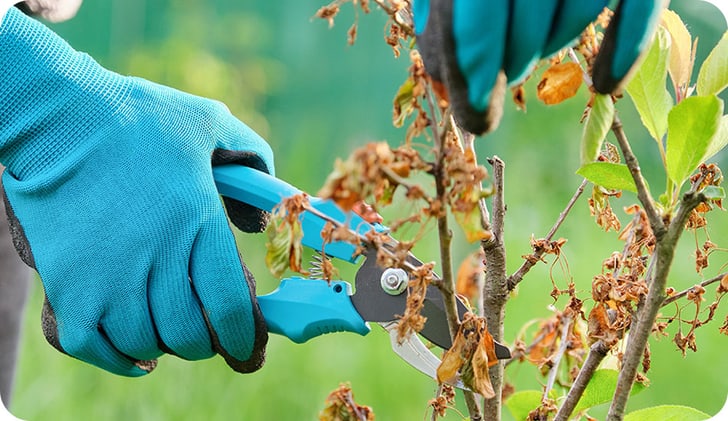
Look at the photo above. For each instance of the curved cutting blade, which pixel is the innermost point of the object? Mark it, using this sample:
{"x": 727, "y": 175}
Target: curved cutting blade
{"x": 376, "y": 305}
{"x": 416, "y": 353}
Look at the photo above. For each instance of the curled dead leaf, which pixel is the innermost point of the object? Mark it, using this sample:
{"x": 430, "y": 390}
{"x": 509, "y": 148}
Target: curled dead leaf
{"x": 340, "y": 406}
{"x": 723, "y": 287}
{"x": 559, "y": 82}
{"x": 470, "y": 275}
{"x": 284, "y": 247}
{"x": 471, "y": 355}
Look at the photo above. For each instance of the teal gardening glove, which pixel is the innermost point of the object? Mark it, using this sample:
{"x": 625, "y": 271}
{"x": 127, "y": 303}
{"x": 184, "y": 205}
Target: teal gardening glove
{"x": 111, "y": 199}
{"x": 465, "y": 44}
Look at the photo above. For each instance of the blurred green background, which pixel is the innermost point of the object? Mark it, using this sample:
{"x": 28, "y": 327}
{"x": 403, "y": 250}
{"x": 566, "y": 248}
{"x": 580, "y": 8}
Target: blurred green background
{"x": 315, "y": 98}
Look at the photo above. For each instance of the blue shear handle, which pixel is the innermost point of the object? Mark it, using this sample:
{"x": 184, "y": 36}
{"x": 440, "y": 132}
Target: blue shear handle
{"x": 264, "y": 191}
{"x": 301, "y": 309}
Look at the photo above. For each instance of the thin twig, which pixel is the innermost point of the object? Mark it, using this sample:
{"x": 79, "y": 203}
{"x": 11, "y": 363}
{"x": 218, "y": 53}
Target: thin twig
{"x": 527, "y": 264}
{"x": 438, "y": 392}
{"x": 658, "y": 227}
{"x": 447, "y": 286}
{"x": 516, "y": 355}
{"x": 679, "y": 295}
{"x": 597, "y": 352}
{"x": 563, "y": 346}
{"x": 495, "y": 291}
{"x": 363, "y": 239}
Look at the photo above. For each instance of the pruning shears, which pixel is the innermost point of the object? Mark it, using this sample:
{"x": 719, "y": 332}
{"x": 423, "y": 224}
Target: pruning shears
{"x": 303, "y": 308}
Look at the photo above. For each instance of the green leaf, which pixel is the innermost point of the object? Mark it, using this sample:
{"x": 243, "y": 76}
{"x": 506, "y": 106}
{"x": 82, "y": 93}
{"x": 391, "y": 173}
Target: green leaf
{"x": 403, "y": 102}
{"x": 713, "y": 75}
{"x": 596, "y": 128}
{"x": 601, "y": 389}
{"x": 691, "y": 126}
{"x": 719, "y": 141}
{"x": 667, "y": 413}
{"x": 608, "y": 175}
{"x": 681, "y": 62}
{"x": 521, "y": 403}
{"x": 648, "y": 88}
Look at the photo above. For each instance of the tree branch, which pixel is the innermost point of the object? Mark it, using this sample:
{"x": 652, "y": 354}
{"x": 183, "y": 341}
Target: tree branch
{"x": 495, "y": 291}
{"x": 447, "y": 285}
{"x": 679, "y": 295}
{"x": 647, "y": 310}
{"x": 597, "y": 352}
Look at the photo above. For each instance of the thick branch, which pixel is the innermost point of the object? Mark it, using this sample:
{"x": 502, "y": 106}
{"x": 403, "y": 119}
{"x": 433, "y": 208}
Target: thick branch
{"x": 518, "y": 275}
{"x": 647, "y": 310}
{"x": 597, "y": 352}
{"x": 495, "y": 291}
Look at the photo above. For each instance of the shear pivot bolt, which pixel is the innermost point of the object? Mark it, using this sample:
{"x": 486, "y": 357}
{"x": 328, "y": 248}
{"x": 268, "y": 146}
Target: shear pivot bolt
{"x": 394, "y": 281}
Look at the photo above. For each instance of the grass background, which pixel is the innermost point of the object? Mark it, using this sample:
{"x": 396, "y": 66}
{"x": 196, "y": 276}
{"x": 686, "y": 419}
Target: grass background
{"x": 314, "y": 98}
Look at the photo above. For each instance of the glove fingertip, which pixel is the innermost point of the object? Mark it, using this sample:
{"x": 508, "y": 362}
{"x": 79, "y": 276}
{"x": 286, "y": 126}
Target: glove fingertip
{"x": 625, "y": 40}
{"x": 96, "y": 349}
{"x": 226, "y": 291}
{"x": 257, "y": 357}
{"x": 481, "y": 122}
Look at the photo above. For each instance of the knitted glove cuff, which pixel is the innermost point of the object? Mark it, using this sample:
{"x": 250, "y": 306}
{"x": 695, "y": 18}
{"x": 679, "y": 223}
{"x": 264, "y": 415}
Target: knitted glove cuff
{"x": 53, "y": 99}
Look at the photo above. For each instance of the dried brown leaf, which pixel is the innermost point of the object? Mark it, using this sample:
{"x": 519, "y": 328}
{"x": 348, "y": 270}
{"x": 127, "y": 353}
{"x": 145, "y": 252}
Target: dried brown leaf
{"x": 559, "y": 82}
{"x": 284, "y": 247}
{"x": 472, "y": 353}
{"x": 340, "y": 406}
{"x": 470, "y": 275}
{"x": 328, "y": 13}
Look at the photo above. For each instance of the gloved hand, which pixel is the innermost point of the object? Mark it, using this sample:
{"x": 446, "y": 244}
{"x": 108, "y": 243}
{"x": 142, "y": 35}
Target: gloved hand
{"x": 111, "y": 199}
{"x": 466, "y": 44}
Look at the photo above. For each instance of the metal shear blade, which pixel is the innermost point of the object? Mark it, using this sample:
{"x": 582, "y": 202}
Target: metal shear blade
{"x": 376, "y": 303}
{"x": 415, "y": 353}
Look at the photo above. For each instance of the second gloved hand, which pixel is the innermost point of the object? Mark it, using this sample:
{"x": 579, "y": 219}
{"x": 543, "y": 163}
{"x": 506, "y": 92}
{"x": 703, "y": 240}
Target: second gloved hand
{"x": 474, "y": 47}
{"x": 111, "y": 199}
